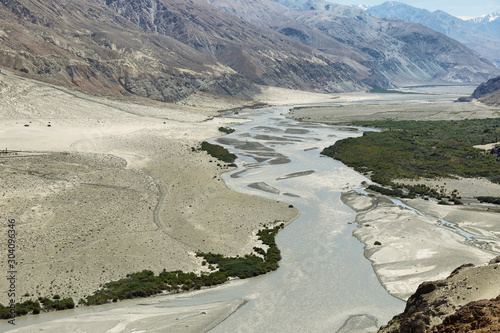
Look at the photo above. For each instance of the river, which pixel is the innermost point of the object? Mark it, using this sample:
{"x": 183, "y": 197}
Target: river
{"x": 324, "y": 283}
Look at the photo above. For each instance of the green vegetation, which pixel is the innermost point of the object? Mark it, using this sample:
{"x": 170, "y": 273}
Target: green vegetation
{"x": 146, "y": 283}
{"x": 30, "y": 306}
{"x": 414, "y": 149}
{"x": 421, "y": 149}
{"x": 493, "y": 200}
{"x": 218, "y": 152}
{"x": 226, "y": 130}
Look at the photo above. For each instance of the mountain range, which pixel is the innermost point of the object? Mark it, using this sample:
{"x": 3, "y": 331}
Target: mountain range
{"x": 481, "y": 34}
{"x": 168, "y": 50}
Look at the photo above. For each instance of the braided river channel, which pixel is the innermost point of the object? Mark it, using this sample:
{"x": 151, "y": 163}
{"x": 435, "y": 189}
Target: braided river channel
{"x": 324, "y": 283}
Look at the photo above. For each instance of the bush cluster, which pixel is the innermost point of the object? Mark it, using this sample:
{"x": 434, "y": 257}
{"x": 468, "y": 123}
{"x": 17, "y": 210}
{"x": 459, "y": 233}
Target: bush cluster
{"x": 226, "y": 130}
{"x": 146, "y": 283}
{"x": 493, "y": 200}
{"x": 43, "y": 304}
{"x": 421, "y": 149}
{"x": 218, "y": 152}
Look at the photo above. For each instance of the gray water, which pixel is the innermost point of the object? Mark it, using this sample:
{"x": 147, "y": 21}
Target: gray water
{"x": 324, "y": 278}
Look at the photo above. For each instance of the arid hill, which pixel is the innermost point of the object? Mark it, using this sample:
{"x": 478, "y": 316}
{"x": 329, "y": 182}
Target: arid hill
{"x": 467, "y": 301}
{"x": 487, "y": 93}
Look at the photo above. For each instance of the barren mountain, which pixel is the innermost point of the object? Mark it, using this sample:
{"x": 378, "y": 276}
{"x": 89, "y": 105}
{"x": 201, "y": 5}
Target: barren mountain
{"x": 401, "y": 51}
{"x": 168, "y": 50}
{"x": 261, "y": 55}
{"x": 84, "y": 44}
{"x": 466, "y": 32}
{"x": 489, "y": 24}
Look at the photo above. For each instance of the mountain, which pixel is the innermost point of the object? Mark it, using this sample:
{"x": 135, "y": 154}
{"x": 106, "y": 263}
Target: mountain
{"x": 469, "y": 33}
{"x": 467, "y": 301}
{"x": 402, "y": 52}
{"x": 261, "y": 55}
{"x": 488, "y": 93}
{"x": 85, "y": 45}
{"x": 167, "y": 50}
{"x": 489, "y": 24}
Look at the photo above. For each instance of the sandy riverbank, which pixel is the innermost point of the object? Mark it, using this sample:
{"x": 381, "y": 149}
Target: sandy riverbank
{"x": 405, "y": 247}
{"x": 111, "y": 188}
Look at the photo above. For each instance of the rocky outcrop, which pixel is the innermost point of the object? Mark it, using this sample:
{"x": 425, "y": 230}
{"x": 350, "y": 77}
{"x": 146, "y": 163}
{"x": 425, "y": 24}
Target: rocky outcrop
{"x": 459, "y": 300}
{"x": 476, "y": 317}
{"x": 487, "y": 93}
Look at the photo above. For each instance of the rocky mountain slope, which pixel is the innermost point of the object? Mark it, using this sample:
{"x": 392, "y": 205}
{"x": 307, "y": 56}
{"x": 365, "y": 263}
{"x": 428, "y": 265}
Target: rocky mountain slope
{"x": 84, "y": 44}
{"x": 168, "y": 50}
{"x": 261, "y": 55}
{"x": 401, "y": 52}
{"x": 467, "y": 32}
{"x": 488, "y": 93}
{"x": 467, "y": 301}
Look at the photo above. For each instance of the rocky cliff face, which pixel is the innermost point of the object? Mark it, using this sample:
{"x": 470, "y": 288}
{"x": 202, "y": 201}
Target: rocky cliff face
{"x": 467, "y": 301}
{"x": 487, "y": 93}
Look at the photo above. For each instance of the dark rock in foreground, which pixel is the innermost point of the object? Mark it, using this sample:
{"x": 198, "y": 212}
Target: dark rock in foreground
{"x": 458, "y": 303}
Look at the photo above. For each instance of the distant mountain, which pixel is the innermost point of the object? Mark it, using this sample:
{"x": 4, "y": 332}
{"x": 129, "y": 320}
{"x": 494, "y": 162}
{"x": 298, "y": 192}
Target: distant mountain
{"x": 489, "y": 24}
{"x": 469, "y": 33}
{"x": 168, "y": 50}
{"x": 399, "y": 51}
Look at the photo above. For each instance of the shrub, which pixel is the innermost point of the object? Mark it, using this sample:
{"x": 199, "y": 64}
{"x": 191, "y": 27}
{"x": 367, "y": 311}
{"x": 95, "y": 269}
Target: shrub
{"x": 218, "y": 152}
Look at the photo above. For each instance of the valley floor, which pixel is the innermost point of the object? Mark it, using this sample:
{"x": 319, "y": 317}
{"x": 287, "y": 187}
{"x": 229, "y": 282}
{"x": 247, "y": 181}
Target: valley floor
{"x": 111, "y": 188}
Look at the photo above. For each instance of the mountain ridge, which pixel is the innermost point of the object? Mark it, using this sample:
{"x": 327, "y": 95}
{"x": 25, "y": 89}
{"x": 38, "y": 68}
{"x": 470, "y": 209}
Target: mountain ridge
{"x": 168, "y": 50}
{"x": 467, "y": 32}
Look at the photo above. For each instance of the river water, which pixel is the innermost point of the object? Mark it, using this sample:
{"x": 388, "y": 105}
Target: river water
{"x": 324, "y": 283}
{"x": 324, "y": 279}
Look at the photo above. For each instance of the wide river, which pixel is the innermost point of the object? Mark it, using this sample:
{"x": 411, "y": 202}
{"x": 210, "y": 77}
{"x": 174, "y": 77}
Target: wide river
{"x": 324, "y": 283}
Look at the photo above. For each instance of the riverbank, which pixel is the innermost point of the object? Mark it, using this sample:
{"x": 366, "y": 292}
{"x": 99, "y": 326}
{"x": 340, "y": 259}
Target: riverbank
{"x": 407, "y": 247}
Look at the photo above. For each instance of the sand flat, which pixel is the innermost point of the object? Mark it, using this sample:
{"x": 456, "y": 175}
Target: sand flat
{"x": 111, "y": 188}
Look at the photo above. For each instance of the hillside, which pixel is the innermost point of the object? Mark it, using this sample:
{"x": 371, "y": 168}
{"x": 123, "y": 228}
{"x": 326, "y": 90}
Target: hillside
{"x": 401, "y": 52}
{"x": 169, "y": 50}
{"x": 487, "y": 93}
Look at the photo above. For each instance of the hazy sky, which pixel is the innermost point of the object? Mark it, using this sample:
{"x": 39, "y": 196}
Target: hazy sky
{"x": 465, "y": 8}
